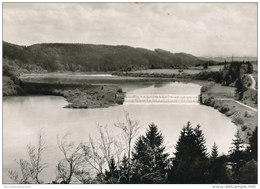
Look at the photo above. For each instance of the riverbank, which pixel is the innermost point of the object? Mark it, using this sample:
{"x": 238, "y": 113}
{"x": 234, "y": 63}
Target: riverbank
{"x": 103, "y": 92}
{"x": 224, "y": 100}
{"x": 95, "y": 97}
{"x": 213, "y": 94}
{"x": 77, "y": 95}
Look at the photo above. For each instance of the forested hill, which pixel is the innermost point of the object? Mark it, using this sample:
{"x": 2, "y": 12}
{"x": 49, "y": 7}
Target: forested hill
{"x": 89, "y": 57}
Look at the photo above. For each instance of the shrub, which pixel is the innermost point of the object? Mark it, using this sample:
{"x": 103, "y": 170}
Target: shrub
{"x": 224, "y": 109}
{"x": 216, "y": 106}
{"x": 229, "y": 113}
{"x": 248, "y": 114}
{"x": 119, "y": 90}
{"x": 204, "y": 89}
{"x": 119, "y": 100}
{"x": 238, "y": 121}
{"x": 212, "y": 103}
{"x": 244, "y": 127}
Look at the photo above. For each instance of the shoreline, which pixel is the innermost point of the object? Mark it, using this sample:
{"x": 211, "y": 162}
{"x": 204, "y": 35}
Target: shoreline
{"x": 245, "y": 118}
{"x": 78, "y": 95}
{"x": 89, "y": 94}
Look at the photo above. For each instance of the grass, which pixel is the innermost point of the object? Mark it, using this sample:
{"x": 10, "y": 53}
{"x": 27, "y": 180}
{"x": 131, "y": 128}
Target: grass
{"x": 218, "y": 97}
{"x": 168, "y": 71}
{"x": 191, "y": 70}
{"x": 239, "y": 118}
{"x": 219, "y": 91}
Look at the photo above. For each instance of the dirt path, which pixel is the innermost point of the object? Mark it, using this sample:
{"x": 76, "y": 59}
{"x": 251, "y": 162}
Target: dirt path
{"x": 253, "y": 82}
{"x": 251, "y": 108}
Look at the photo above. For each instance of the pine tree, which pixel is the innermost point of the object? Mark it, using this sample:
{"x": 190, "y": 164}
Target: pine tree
{"x": 237, "y": 143}
{"x": 111, "y": 176}
{"x": 253, "y": 145}
{"x": 190, "y": 161}
{"x": 201, "y": 143}
{"x": 217, "y": 168}
{"x": 250, "y": 67}
{"x": 124, "y": 169}
{"x": 249, "y": 173}
{"x": 214, "y": 151}
{"x": 149, "y": 159}
{"x": 237, "y": 156}
{"x": 240, "y": 88}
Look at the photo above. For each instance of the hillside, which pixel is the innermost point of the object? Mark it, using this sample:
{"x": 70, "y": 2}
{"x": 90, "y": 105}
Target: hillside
{"x": 229, "y": 59}
{"x": 88, "y": 57}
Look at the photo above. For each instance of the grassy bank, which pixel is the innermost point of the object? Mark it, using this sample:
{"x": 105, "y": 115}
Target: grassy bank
{"x": 79, "y": 95}
{"x": 223, "y": 99}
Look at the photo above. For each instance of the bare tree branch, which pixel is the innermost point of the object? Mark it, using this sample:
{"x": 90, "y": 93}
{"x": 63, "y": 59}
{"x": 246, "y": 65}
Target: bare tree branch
{"x": 130, "y": 130}
{"x": 31, "y": 169}
{"x": 73, "y": 159}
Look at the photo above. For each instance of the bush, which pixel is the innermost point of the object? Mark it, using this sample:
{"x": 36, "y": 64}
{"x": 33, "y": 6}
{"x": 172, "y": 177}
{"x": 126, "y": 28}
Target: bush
{"x": 244, "y": 127}
{"x": 209, "y": 101}
{"x": 119, "y": 100}
{"x": 238, "y": 121}
{"x": 229, "y": 113}
{"x": 248, "y": 114}
{"x": 224, "y": 109}
{"x": 216, "y": 106}
{"x": 204, "y": 89}
{"x": 119, "y": 90}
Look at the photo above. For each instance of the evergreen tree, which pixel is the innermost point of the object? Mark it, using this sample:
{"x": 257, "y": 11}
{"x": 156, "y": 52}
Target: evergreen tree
{"x": 214, "y": 151}
{"x": 123, "y": 169}
{"x": 240, "y": 88}
{"x": 249, "y": 173}
{"x": 190, "y": 161}
{"x": 111, "y": 176}
{"x": 238, "y": 143}
{"x": 217, "y": 168}
{"x": 201, "y": 143}
{"x": 250, "y": 68}
{"x": 237, "y": 156}
{"x": 253, "y": 145}
{"x": 149, "y": 159}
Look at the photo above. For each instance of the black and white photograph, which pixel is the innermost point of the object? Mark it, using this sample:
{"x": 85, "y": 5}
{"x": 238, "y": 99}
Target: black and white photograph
{"x": 130, "y": 93}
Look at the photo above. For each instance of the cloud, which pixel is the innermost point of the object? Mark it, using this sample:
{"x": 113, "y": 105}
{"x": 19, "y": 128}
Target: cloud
{"x": 201, "y": 29}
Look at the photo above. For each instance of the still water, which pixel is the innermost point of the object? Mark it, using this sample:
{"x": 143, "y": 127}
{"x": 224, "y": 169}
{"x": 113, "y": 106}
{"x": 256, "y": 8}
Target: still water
{"x": 23, "y": 117}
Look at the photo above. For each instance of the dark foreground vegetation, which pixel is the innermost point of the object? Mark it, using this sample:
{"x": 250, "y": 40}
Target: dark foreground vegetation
{"x": 145, "y": 160}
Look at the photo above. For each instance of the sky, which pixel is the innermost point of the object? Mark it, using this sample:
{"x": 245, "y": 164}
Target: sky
{"x": 201, "y": 29}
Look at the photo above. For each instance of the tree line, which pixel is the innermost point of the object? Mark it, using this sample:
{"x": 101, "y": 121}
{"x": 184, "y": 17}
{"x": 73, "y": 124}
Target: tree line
{"x": 233, "y": 74}
{"x": 144, "y": 160}
{"x": 90, "y": 57}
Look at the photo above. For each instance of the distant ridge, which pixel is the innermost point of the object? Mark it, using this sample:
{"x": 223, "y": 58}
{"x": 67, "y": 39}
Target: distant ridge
{"x": 229, "y": 59}
{"x": 90, "y": 57}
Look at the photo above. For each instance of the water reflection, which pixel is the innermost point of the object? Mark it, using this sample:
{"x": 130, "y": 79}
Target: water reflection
{"x": 24, "y": 116}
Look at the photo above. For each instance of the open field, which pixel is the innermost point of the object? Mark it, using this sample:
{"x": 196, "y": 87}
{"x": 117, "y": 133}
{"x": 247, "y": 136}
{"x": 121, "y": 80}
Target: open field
{"x": 192, "y": 70}
{"x": 243, "y": 117}
{"x": 166, "y": 71}
{"x": 217, "y": 90}
{"x": 222, "y": 98}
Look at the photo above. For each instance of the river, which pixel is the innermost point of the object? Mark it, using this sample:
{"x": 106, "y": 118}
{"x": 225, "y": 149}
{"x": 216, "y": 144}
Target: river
{"x": 23, "y": 117}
